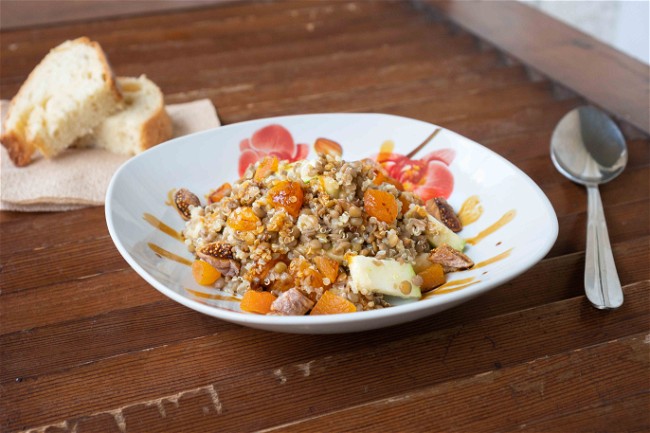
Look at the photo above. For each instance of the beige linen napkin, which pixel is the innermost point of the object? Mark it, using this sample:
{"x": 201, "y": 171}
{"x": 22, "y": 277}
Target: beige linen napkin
{"x": 79, "y": 177}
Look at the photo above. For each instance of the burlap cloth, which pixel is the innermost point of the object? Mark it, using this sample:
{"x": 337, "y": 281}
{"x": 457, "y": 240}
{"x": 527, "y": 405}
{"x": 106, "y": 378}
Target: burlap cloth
{"x": 79, "y": 177}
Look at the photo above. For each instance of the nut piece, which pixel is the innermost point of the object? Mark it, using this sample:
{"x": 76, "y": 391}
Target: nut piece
{"x": 220, "y": 256}
{"x": 291, "y": 303}
{"x": 443, "y": 212}
{"x": 450, "y": 259}
{"x": 183, "y": 199}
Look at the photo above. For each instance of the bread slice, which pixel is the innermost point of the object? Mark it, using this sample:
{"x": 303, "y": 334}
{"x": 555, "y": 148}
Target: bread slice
{"x": 142, "y": 123}
{"x": 68, "y": 94}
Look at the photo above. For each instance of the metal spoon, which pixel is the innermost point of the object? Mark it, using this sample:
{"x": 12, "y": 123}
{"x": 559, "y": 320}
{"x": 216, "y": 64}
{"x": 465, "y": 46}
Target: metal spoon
{"x": 588, "y": 148}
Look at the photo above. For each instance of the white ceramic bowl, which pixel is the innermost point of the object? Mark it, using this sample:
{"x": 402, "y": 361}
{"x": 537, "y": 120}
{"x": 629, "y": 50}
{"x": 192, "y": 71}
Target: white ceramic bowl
{"x": 202, "y": 161}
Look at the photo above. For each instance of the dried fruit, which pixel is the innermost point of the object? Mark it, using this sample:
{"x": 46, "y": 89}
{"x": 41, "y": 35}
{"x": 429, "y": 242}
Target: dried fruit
{"x": 330, "y": 303}
{"x": 219, "y": 256}
{"x": 183, "y": 199}
{"x": 259, "y": 272}
{"x": 220, "y": 193}
{"x": 243, "y": 219}
{"x": 287, "y": 195}
{"x": 432, "y": 277}
{"x": 328, "y": 147}
{"x": 204, "y": 273}
{"x": 443, "y": 212}
{"x": 267, "y": 166}
{"x": 380, "y": 204}
{"x": 329, "y": 268}
{"x": 382, "y": 177}
{"x": 301, "y": 270}
{"x": 450, "y": 259}
{"x": 257, "y": 302}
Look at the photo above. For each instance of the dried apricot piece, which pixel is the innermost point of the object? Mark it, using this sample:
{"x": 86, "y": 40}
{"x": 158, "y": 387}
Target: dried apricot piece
{"x": 382, "y": 177}
{"x": 243, "y": 219}
{"x": 328, "y": 267}
{"x": 257, "y": 302}
{"x": 380, "y": 204}
{"x": 330, "y": 303}
{"x": 267, "y": 166}
{"x": 220, "y": 193}
{"x": 287, "y": 195}
{"x": 204, "y": 273}
{"x": 432, "y": 277}
{"x": 301, "y": 271}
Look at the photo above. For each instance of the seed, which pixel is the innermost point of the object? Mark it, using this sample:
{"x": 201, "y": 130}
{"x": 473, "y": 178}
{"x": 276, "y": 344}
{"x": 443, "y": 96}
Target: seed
{"x": 280, "y": 267}
{"x": 355, "y": 211}
{"x": 259, "y": 211}
{"x": 392, "y": 240}
{"x": 356, "y": 221}
{"x": 315, "y": 244}
{"x": 341, "y": 247}
{"x": 405, "y": 287}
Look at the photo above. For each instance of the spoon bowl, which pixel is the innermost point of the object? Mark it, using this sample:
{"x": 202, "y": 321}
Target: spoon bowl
{"x": 588, "y": 148}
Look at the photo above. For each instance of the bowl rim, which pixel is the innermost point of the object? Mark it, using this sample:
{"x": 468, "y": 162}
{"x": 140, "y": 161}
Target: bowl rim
{"x": 451, "y": 298}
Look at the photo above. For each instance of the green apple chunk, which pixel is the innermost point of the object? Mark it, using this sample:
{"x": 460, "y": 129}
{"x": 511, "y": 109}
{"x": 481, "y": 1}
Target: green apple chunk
{"x": 386, "y": 276}
{"x": 438, "y": 234}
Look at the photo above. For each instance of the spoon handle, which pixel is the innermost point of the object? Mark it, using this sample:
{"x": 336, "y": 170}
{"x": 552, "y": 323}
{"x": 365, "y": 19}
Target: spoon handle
{"x": 602, "y": 286}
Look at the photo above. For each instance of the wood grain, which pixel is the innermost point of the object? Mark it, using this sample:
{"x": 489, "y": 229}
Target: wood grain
{"x": 86, "y": 345}
{"x": 555, "y": 50}
{"x": 435, "y": 354}
{"x": 530, "y": 390}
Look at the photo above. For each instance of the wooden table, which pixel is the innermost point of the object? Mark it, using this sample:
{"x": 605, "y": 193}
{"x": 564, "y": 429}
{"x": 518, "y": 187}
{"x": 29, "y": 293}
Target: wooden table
{"x": 87, "y": 345}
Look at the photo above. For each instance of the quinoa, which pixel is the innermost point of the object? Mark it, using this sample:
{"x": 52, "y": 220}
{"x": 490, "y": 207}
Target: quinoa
{"x": 274, "y": 240}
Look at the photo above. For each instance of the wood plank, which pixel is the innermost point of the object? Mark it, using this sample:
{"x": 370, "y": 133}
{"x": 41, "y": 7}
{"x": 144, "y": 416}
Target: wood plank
{"x": 626, "y": 222}
{"x": 139, "y": 313}
{"x": 211, "y": 72}
{"x": 75, "y": 261}
{"x": 73, "y": 300}
{"x": 554, "y": 49}
{"x": 241, "y": 12}
{"x": 232, "y": 39}
{"x": 280, "y": 367}
{"x": 541, "y": 170}
{"x": 461, "y": 64}
{"x": 444, "y": 90}
{"x": 149, "y": 44}
{"x": 524, "y": 397}
{"x": 608, "y": 416}
{"x": 15, "y": 14}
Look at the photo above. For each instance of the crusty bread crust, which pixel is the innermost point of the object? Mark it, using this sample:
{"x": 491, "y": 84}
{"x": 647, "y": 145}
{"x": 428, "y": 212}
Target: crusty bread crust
{"x": 19, "y": 147}
{"x": 155, "y": 130}
{"x": 20, "y": 151}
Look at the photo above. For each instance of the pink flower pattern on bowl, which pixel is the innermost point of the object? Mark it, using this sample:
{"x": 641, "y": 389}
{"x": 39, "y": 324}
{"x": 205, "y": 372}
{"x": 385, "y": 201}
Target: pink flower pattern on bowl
{"x": 271, "y": 140}
{"x": 427, "y": 177}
